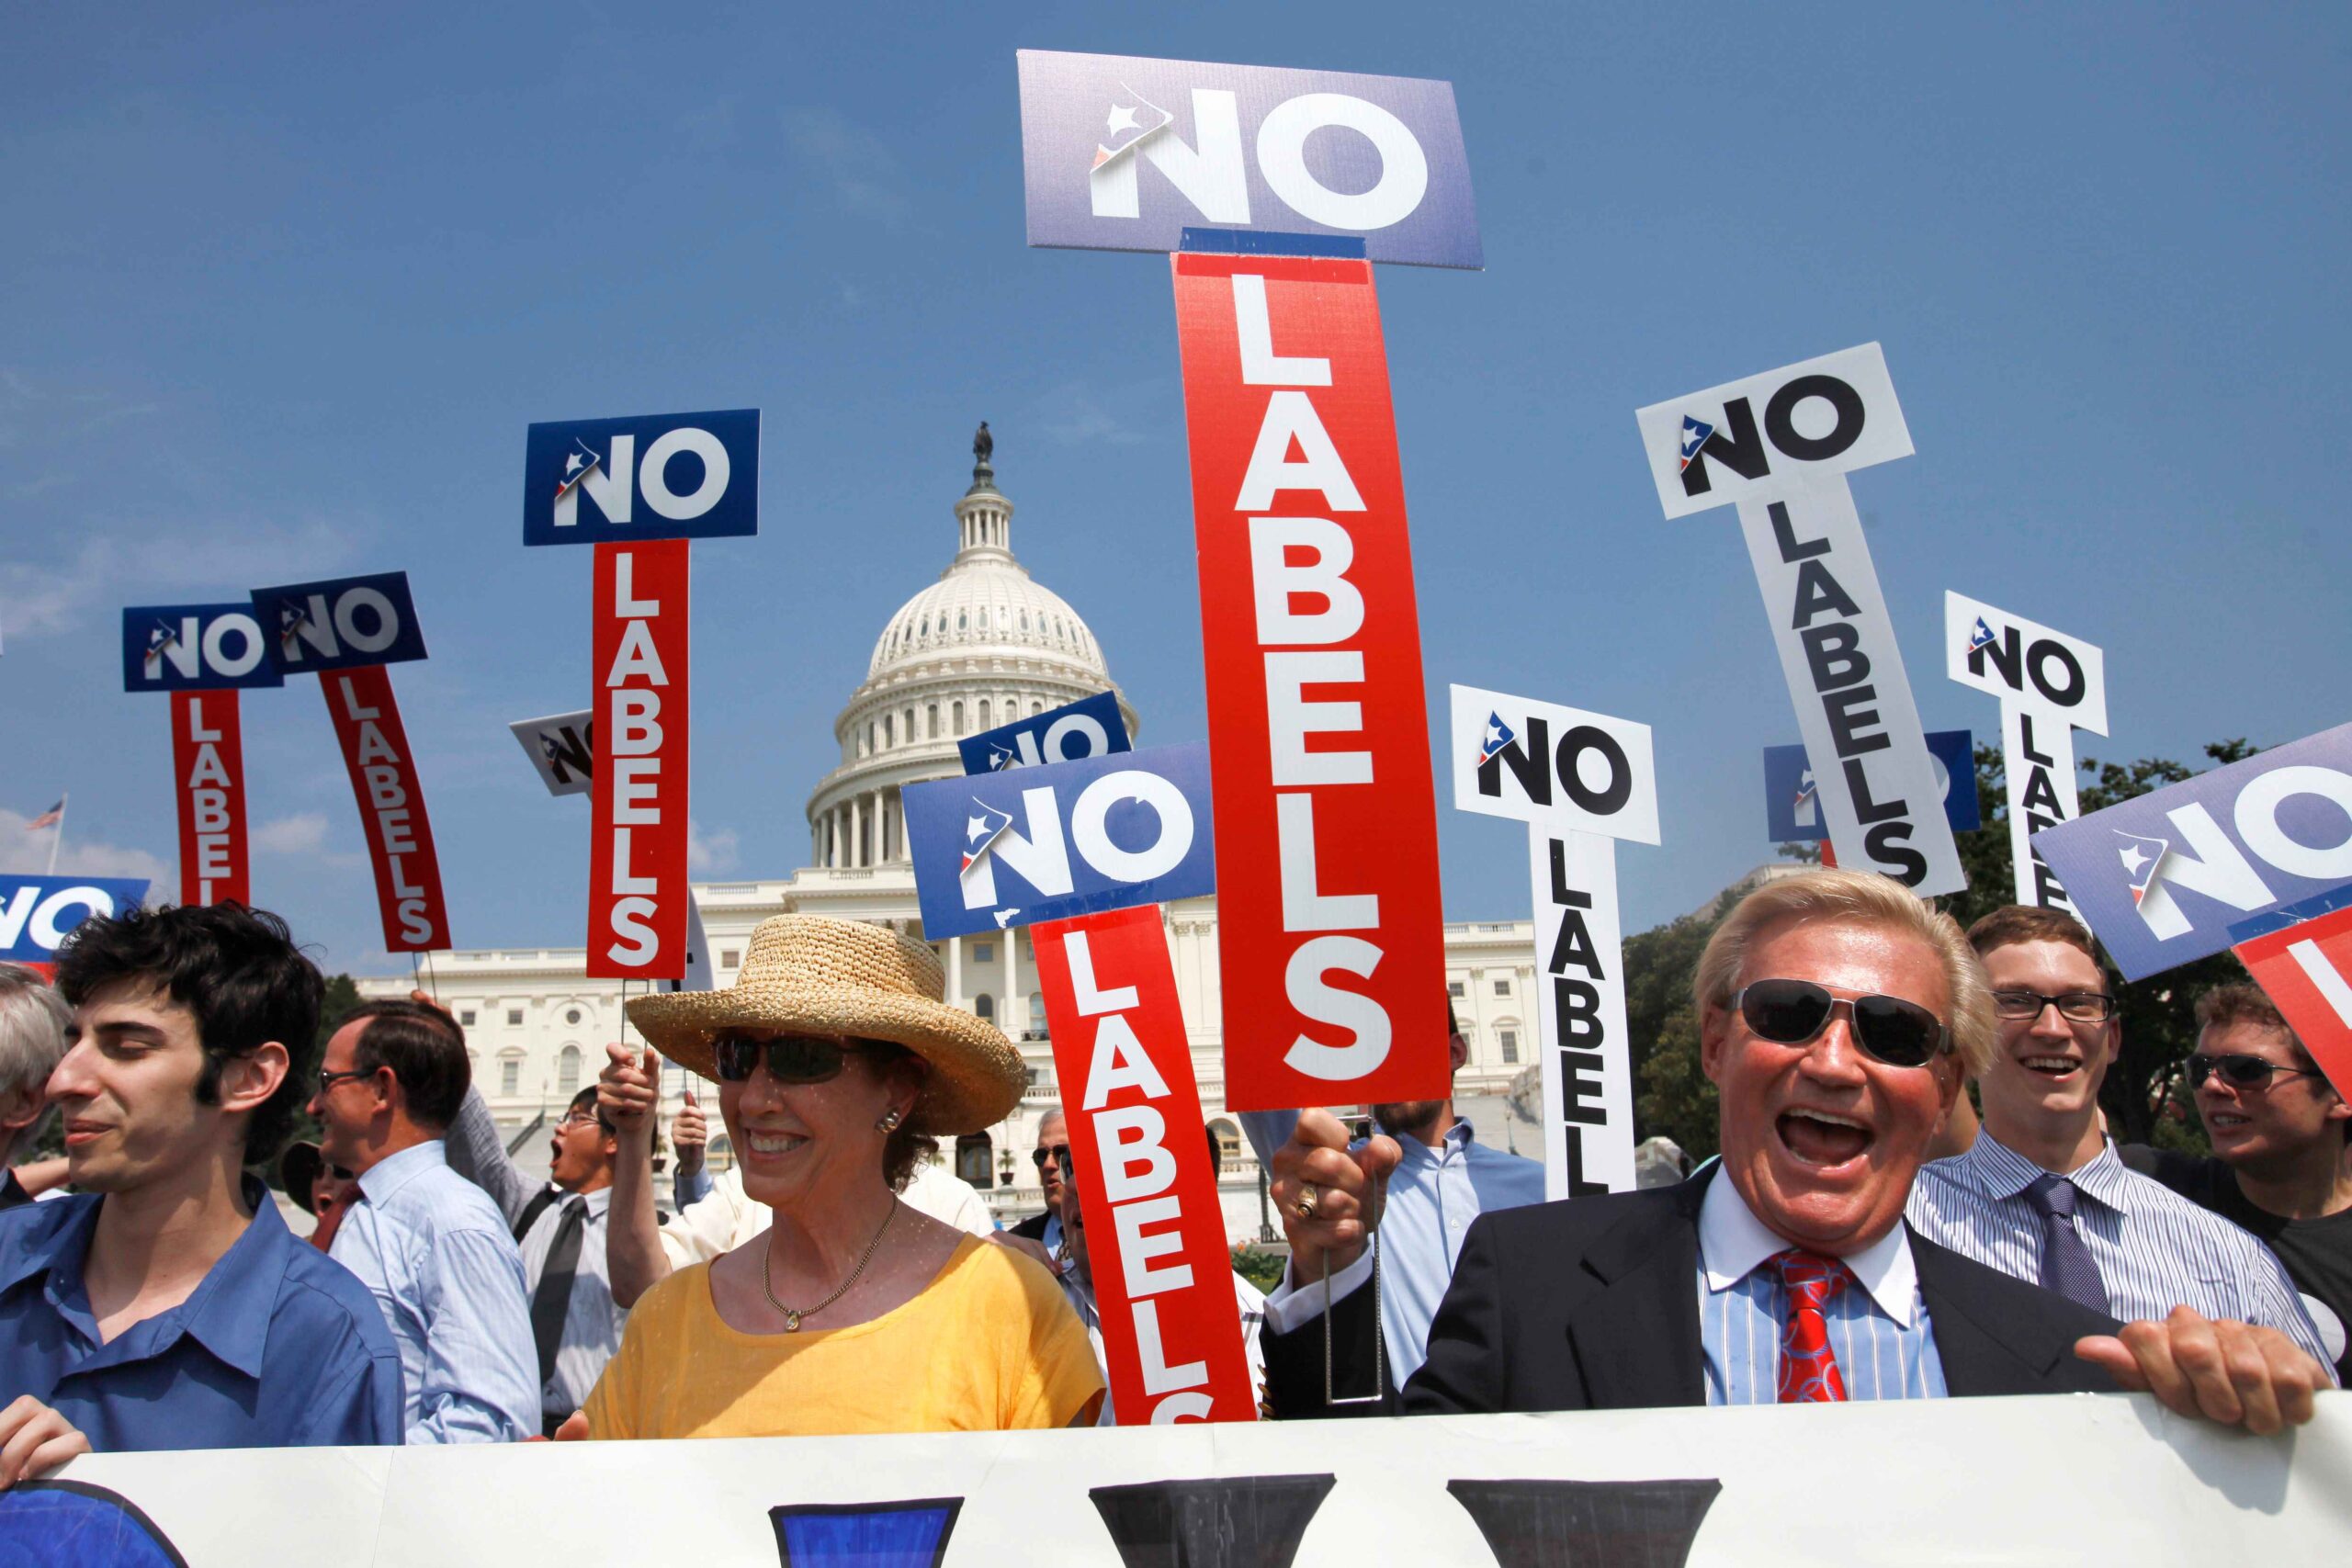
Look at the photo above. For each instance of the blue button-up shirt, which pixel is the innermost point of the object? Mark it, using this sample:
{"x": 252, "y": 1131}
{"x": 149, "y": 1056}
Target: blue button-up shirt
{"x": 1878, "y": 1325}
{"x": 276, "y": 1347}
{"x": 2155, "y": 1250}
{"x": 437, "y": 1252}
{"x": 1433, "y": 1194}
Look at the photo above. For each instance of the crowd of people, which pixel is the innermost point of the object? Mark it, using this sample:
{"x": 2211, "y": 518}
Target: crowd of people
{"x": 1870, "y": 1230}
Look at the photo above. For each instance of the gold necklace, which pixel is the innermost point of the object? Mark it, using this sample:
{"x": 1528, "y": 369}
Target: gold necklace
{"x": 792, "y": 1315}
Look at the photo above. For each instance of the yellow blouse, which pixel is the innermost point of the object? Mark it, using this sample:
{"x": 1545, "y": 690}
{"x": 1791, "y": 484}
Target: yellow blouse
{"x": 989, "y": 1344}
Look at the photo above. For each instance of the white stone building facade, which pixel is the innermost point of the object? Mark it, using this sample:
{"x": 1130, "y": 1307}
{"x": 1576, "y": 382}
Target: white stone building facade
{"x": 983, "y": 645}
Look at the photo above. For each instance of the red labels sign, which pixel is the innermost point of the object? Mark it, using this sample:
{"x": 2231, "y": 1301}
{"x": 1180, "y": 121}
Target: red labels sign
{"x": 392, "y": 805}
{"x": 1154, "y": 1233}
{"x": 1331, "y": 928}
{"x": 2306, "y": 971}
{"x": 637, "y": 856}
{"x": 208, "y": 764}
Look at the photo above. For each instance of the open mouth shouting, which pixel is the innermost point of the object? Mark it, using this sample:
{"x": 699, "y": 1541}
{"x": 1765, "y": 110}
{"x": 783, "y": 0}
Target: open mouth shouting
{"x": 1823, "y": 1139}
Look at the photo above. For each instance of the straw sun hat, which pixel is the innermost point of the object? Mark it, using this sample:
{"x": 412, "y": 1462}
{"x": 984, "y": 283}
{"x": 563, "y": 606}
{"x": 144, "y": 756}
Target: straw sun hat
{"x": 816, "y": 976}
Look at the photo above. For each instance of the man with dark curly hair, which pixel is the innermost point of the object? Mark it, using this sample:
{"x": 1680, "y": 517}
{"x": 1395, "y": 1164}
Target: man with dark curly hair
{"x": 168, "y": 1306}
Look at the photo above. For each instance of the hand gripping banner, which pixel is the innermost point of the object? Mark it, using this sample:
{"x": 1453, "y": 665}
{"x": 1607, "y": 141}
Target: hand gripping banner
{"x": 1330, "y": 929}
{"x": 1155, "y": 1232}
{"x": 392, "y": 808}
{"x": 638, "y": 892}
{"x": 208, "y": 764}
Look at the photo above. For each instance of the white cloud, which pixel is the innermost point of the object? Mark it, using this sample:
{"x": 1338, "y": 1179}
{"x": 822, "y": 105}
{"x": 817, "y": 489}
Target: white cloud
{"x": 46, "y": 598}
{"x": 26, "y": 852}
{"x": 1075, "y": 414}
{"x": 709, "y": 853}
{"x": 305, "y": 833}
{"x": 864, "y": 173}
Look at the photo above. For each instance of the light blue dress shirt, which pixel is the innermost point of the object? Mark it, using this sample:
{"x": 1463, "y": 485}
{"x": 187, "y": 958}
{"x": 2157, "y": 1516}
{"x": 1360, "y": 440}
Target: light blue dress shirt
{"x": 1433, "y": 1194}
{"x": 436, "y": 1252}
{"x": 1878, "y": 1325}
{"x": 2155, "y": 1250}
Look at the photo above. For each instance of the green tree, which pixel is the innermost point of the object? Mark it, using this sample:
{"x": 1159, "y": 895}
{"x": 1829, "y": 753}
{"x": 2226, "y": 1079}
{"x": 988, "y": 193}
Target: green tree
{"x": 342, "y": 997}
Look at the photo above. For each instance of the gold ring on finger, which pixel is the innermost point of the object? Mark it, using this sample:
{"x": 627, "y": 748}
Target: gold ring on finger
{"x": 1307, "y": 1199}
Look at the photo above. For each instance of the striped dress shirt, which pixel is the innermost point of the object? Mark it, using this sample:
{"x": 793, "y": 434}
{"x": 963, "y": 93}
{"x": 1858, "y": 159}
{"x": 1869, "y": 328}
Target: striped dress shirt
{"x": 2155, "y": 1250}
{"x": 1878, "y": 1327}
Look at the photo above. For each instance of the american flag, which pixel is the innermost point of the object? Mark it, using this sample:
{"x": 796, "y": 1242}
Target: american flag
{"x": 51, "y": 818}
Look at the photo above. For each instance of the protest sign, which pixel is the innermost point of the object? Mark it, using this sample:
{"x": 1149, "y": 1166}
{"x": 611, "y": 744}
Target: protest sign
{"x": 1155, "y": 1230}
{"x": 2050, "y": 685}
{"x": 1581, "y": 780}
{"x": 392, "y": 808}
{"x": 1583, "y": 1489}
{"x": 36, "y": 911}
{"x": 561, "y": 746}
{"x": 195, "y": 647}
{"x": 990, "y": 851}
{"x": 638, "y": 893}
{"x": 2161, "y": 877}
{"x": 2301, "y": 957}
{"x": 1792, "y": 798}
{"x": 1787, "y": 476}
{"x": 343, "y": 623}
{"x": 675, "y": 475}
{"x": 203, "y": 654}
{"x": 1091, "y": 726}
{"x": 346, "y": 630}
{"x": 1122, "y": 154}
{"x": 209, "y": 764}
{"x": 1331, "y": 928}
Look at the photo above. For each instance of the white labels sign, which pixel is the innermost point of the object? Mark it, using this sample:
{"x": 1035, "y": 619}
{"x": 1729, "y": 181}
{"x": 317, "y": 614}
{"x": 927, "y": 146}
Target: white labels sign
{"x": 2049, "y": 685}
{"x": 1752, "y": 437}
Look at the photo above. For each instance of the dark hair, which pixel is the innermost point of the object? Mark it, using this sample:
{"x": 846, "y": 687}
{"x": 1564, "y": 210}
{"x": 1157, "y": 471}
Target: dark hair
{"x": 2013, "y": 923}
{"x": 236, "y": 970}
{"x": 424, "y": 1047}
{"x": 587, "y": 1097}
{"x": 905, "y": 1148}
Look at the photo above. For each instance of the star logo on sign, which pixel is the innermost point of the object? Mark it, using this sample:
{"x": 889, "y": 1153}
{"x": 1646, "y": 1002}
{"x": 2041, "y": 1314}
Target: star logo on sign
{"x": 578, "y": 464}
{"x": 980, "y": 831}
{"x": 160, "y": 637}
{"x": 1981, "y": 636}
{"x": 1496, "y": 736}
{"x": 1694, "y": 435}
{"x": 291, "y": 618}
{"x": 1003, "y": 916}
{"x": 2142, "y": 858}
{"x": 1124, "y": 119}
{"x": 547, "y": 745}
{"x": 1001, "y": 758}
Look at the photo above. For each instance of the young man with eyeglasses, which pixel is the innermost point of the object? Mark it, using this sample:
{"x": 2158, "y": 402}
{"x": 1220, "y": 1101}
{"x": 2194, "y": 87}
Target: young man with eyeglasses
{"x": 560, "y": 1226}
{"x": 168, "y": 1306}
{"x": 429, "y": 1244}
{"x": 1838, "y": 1016}
{"x": 2281, "y": 1167}
{"x": 2041, "y": 1194}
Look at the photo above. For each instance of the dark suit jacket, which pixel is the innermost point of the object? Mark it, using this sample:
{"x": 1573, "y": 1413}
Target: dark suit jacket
{"x": 1593, "y": 1305}
{"x": 1033, "y": 1228}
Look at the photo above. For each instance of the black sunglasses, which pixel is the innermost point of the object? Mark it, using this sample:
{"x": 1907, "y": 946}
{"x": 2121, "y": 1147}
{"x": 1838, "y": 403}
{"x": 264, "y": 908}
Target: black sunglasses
{"x": 1045, "y": 1156}
{"x": 790, "y": 1059}
{"x": 1066, "y": 1159}
{"x": 2240, "y": 1072}
{"x": 1790, "y": 1012}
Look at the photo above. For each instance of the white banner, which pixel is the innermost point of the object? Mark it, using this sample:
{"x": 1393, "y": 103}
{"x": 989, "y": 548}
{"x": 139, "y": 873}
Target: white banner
{"x": 1902, "y": 1482}
{"x": 562, "y": 747}
{"x": 2049, "y": 685}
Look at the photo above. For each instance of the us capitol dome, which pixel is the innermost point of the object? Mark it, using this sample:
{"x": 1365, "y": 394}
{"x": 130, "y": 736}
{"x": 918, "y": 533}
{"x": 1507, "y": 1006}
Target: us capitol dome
{"x": 982, "y": 645}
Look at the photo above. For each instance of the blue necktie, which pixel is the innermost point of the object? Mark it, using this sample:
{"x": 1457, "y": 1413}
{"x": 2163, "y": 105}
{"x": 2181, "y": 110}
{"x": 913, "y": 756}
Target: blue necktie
{"x": 2066, "y": 1265}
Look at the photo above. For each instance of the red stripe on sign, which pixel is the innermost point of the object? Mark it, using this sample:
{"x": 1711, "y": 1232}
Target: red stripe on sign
{"x": 209, "y": 763}
{"x": 636, "y": 856}
{"x": 1151, "y": 1226}
{"x": 2306, "y": 971}
{"x": 1330, "y": 930}
{"x": 391, "y": 807}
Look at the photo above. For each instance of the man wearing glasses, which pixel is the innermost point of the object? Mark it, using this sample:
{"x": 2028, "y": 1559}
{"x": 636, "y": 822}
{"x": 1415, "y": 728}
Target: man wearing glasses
{"x": 1045, "y": 1229}
{"x": 1838, "y": 1016}
{"x": 560, "y": 1226}
{"x": 2281, "y": 1168}
{"x": 2042, "y": 1195}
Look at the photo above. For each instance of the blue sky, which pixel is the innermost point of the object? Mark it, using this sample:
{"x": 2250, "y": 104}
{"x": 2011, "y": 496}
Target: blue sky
{"x": 285, "y": 285}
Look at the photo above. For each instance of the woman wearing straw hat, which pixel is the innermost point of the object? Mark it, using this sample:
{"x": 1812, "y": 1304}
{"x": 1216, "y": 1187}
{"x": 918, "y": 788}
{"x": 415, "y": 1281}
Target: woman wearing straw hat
{"x": 836, "y": 1062}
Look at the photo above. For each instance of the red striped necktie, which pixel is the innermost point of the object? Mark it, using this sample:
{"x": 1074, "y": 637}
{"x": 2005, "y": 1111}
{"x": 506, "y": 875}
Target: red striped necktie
{"x": 1809, "y": 1372}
